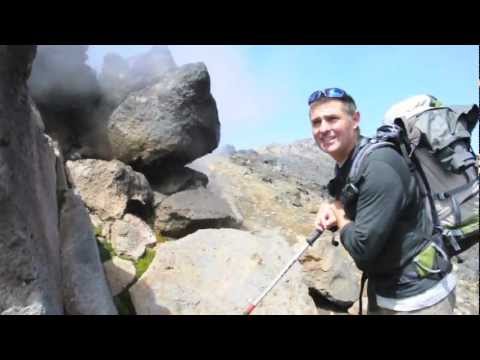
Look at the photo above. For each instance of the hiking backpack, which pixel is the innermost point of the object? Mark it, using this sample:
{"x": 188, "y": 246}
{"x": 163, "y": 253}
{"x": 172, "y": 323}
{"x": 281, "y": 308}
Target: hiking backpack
{"x": 435, "y": 141}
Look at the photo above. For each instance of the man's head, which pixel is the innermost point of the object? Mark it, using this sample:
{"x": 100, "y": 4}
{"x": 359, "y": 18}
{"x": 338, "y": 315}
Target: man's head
{"x": 335, "y": 122}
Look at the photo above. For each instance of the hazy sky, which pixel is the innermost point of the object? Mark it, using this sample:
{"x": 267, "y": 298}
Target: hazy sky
{"x": 261, "y": 91}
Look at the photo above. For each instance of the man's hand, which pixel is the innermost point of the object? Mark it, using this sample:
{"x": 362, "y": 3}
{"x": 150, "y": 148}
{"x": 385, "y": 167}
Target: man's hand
{"x": 331, "y": 216}
{"x": 326, "y": 218}
{"x": 340, "y": 216}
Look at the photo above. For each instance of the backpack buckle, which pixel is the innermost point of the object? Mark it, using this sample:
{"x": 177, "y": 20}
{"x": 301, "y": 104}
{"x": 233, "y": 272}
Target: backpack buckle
{"x": 349, "y": 193}
{"x": 442, "y": 196}
{"x": 452, "y": 235}
{"x": 351, "y": 189}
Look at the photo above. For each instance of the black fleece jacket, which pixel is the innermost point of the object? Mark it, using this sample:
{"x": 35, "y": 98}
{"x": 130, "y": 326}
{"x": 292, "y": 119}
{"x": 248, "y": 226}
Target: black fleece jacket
{"x": 389, "y": 224}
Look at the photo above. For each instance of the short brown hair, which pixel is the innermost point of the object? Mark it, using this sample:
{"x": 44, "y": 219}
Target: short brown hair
{"x": 347, "y": 100}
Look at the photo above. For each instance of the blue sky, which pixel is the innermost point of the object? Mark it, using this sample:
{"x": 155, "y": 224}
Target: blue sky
{"x": 261, "y": 91}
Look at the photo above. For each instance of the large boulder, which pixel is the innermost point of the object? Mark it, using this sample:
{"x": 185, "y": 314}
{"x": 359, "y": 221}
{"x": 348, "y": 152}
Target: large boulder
{"x": 168, "y": 124}
{"x": 219, "y": 272}
{"x": 187, "y": 211}
{"x": 130, "y": 236}
{"x": 30, "y": 281}
{"x": 68, "y": 95}
{"x": 108, "y": 188}
{"x": 179, "y": 179}
{"x": 331, "y": 273}
{"x": 86, "y": 291}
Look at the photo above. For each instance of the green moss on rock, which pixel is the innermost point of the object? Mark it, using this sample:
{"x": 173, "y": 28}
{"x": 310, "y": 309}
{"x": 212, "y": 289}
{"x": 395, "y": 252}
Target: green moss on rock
{"x": 160, "y": 238}
{"x": 106, "y": 251}
{"x": 124, "y": 304}
{"x": 144, "y": 262}
{"x": 98, "y": 231}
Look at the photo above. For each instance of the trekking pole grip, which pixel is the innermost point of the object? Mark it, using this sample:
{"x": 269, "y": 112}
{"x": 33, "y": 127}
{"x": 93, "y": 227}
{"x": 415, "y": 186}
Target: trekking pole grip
{"x": 313, "y": 237}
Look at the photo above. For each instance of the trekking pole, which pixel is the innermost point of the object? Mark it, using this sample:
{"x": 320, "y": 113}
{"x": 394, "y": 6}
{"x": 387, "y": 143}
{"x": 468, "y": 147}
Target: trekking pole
{"x": 310, "y": 240}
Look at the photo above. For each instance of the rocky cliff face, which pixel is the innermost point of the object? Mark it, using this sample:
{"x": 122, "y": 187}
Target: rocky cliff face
{"x": 35, "y": 205}
{"x": 29, "y": 239}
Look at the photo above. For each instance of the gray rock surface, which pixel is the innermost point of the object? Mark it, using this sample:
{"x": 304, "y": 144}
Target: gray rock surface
{"x": 218, "y": 272}
{"x": 332, "y": 273}
{"x": 467, "y": 291}
{"x": 120, "y": 274}
{"x": 130, "y": 236}
{"x": 180, "y": 179}
{"x": 30, "y": 280}
{"x": 187, "y": 211}
{"x": 86, "y": 291}
{"x": 107, "y": 187}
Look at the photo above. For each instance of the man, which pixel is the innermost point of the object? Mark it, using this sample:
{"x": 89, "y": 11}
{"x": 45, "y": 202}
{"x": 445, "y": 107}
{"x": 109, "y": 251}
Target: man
{"x": 384, "y": 227}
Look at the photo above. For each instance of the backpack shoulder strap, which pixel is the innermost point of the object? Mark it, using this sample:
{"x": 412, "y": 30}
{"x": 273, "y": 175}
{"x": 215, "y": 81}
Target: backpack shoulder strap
{"x": 355, "y": 176}
{"x": 358, "y": 165}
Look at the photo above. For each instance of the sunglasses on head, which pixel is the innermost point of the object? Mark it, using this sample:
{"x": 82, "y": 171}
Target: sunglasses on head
{"x": 329, "y": 93}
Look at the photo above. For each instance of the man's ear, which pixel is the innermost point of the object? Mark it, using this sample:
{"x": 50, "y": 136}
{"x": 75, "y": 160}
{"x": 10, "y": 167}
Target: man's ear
{"x": 356, "y": 120}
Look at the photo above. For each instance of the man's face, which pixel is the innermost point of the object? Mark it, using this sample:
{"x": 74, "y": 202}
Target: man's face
{"x": 333, "y": 128}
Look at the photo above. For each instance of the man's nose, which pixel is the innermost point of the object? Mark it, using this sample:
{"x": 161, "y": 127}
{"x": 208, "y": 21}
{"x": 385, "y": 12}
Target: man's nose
{"x": 324, "y": 127}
